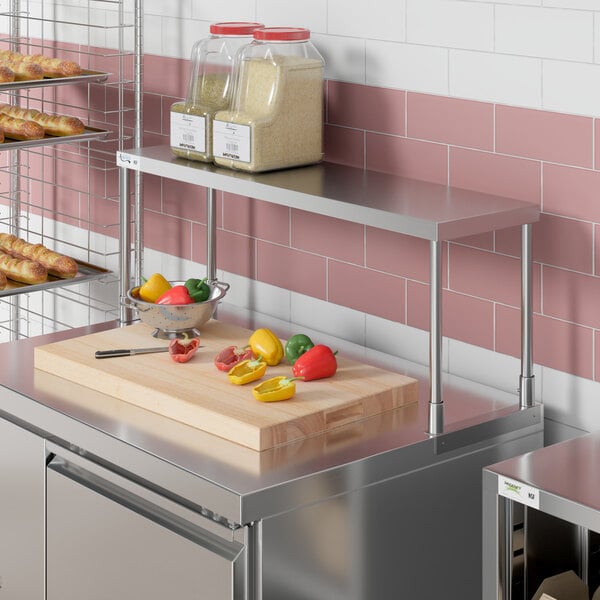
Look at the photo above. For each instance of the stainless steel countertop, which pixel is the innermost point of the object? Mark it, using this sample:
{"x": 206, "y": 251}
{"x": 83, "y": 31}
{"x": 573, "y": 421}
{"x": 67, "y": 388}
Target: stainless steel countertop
{"x": 246, "y": 484}
{"x": 426, "y": 210}
{"x": 568, "y": 470}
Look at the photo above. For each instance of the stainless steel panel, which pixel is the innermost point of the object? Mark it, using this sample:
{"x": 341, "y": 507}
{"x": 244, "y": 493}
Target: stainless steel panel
{"x": 103, "y": 542}
{"x": 413, "y": 537}
{"x": 22, "y": 471}
{"x": 418, "y": 208}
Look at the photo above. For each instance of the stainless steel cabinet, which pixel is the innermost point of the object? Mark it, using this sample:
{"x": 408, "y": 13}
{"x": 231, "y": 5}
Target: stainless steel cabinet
{"x": 108, "y": 537}
{"x": 21, "y": 513}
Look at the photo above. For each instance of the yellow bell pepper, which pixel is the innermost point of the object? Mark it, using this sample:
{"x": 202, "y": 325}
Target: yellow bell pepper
{"x": 247, "y": 371}
{"x": 153, "y": 288}
{"x": 266, "y": 344}
{"x": 275, "y": 389}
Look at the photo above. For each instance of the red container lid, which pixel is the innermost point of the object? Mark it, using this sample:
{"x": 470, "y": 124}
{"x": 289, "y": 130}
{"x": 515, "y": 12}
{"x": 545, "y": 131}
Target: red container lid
{"x": 282, "y": 34}
{"x": 234, "y": 28}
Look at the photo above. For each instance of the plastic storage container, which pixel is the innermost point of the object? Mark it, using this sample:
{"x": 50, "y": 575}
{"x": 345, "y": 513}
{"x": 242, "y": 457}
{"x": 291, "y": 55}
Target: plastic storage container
{"x": 276, "y": 115}
{"x": 209, "y": 90}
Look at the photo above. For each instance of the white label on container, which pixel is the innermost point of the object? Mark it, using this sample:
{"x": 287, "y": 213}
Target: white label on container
{"x": 188, "y": 132}
{"x": 231, "y": 140}
{"x": 515, "y": 490}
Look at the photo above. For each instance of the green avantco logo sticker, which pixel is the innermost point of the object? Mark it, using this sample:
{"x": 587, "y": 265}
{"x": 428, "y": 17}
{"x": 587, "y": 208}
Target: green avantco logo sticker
{"x": 515, "y": 490}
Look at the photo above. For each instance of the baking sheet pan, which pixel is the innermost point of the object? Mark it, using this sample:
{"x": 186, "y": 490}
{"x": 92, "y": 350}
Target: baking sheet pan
{"x": 85, "y": 272}
{"x": 85, "y": 77}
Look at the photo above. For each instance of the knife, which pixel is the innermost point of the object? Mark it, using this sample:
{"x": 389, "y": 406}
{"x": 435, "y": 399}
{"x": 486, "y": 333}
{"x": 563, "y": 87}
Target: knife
{"x": 129, "y": 351}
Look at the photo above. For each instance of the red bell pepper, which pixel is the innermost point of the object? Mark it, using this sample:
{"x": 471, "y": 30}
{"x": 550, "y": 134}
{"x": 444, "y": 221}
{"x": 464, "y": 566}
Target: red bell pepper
{"x": 182, "y": 350}
{"x": 178, "y": 294}
{"x": 231, "y": 356}
{"x": 317, "y": 363}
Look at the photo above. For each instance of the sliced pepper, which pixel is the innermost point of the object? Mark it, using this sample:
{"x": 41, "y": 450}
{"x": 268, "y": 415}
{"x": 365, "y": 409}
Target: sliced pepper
{"x": 182, "y": 350}
{"x": 266, "y": 344}
{"x": 198, "y": 289}
{"x": 317, "y": 363}
{"x": 275, "y": 389}
{"x": 178, "y": 294}
{"x": 296, "y": 346}
{"x": 231, "y": 356}
{"x": 153, "y": 288}
{"x": 247, "y": 371}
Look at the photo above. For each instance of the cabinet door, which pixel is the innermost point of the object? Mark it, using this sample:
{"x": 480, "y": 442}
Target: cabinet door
{"x": 105, "y": 543}
{"x": 22, "y": 471}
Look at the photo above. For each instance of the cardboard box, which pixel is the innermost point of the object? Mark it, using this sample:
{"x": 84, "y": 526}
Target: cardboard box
{"x": 564, "y": 586}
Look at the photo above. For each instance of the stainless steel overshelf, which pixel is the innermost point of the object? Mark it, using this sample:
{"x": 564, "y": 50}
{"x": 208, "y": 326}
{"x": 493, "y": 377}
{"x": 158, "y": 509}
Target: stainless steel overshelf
{"x": 426, "y": 210}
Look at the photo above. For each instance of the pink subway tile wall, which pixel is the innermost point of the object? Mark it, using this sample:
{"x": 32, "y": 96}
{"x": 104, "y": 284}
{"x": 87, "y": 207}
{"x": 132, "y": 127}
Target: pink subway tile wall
{"x": 540, "y": 156}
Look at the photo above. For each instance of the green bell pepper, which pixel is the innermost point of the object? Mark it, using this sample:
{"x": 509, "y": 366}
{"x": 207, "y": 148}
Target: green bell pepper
{"x": 198, "y": 288}
{"x": 296, "y": 346}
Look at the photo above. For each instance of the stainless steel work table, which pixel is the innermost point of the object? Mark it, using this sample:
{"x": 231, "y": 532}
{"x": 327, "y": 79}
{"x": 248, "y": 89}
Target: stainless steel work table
{"x": 232, "y": 486}
{"x": 561, "y": 482}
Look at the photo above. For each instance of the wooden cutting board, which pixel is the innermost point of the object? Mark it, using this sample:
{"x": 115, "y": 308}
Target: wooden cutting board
{"x": 198, "y": 394}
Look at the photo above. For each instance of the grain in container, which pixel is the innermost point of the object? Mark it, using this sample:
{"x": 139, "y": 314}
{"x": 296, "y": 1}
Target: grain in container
{"x": 209, "y": 89}
{"x": 276, "y": 115}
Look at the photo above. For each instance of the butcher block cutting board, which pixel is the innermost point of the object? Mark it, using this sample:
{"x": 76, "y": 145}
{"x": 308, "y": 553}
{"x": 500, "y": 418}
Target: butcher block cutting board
{"x": 198, "y": 394}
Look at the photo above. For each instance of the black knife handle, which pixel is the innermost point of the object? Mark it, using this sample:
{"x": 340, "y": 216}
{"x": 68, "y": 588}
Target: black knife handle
{"x": 111, "y": 353}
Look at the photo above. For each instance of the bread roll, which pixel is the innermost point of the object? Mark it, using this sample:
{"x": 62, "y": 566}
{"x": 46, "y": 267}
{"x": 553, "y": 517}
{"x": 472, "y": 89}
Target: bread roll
{"x": 20, "y": 129}
{"x": 37, "y": 66}
{"x": 54, "y": 67}
{"x": 55, "y": 263}
{"x": 57, "y": 125}
{"x": 23, "y": 70}
{"x": 3, "y": 281}
{"x": 7, "y": 75}
{"x": 22, "y": 270}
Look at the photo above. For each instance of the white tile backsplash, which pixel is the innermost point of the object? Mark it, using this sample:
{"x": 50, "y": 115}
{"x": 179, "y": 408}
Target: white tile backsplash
{"x": 311, "y": 14}
{"x": 345, "y": 57}
{"x": 407, "y": 66}
{"x": 545, "y": 32}
{"x": 507, "y": 79}
{"x": 452, "y": 24}
{"x": 488, "y": 50}
{"x": 377, "y": 19}
{"x": 232, "y": 10}
{"x": 571, "y": 87}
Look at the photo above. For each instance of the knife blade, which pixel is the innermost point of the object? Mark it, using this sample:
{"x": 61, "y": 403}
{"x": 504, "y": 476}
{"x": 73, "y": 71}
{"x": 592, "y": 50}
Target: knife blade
{"x": 129, "y": 351}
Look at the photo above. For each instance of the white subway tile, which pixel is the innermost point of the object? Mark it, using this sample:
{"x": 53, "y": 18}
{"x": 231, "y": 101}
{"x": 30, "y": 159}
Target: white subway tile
{"x": 311, "y": 14}
{"x": 597, "y": 37}
{"x": 232, "y": 10}
{"x": 545, "y": 32}
{"x": 574, "y": 4}
{"x": 401, "y": 340}
{"x": 571, "y": 87}
{"x": 519, "y": 2}
{"x": 153, "y": 38}
{"x": 181, "y": 9}
{"x": 339, "y": 321}
{"x": 344, "y": 57}
{"x": 451, "y": 24}
{"x": 377, "y": 19}
{"x": 180, "y": 35}
{"x": 496, "y": 78}
{"x": 407, "y": 66}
